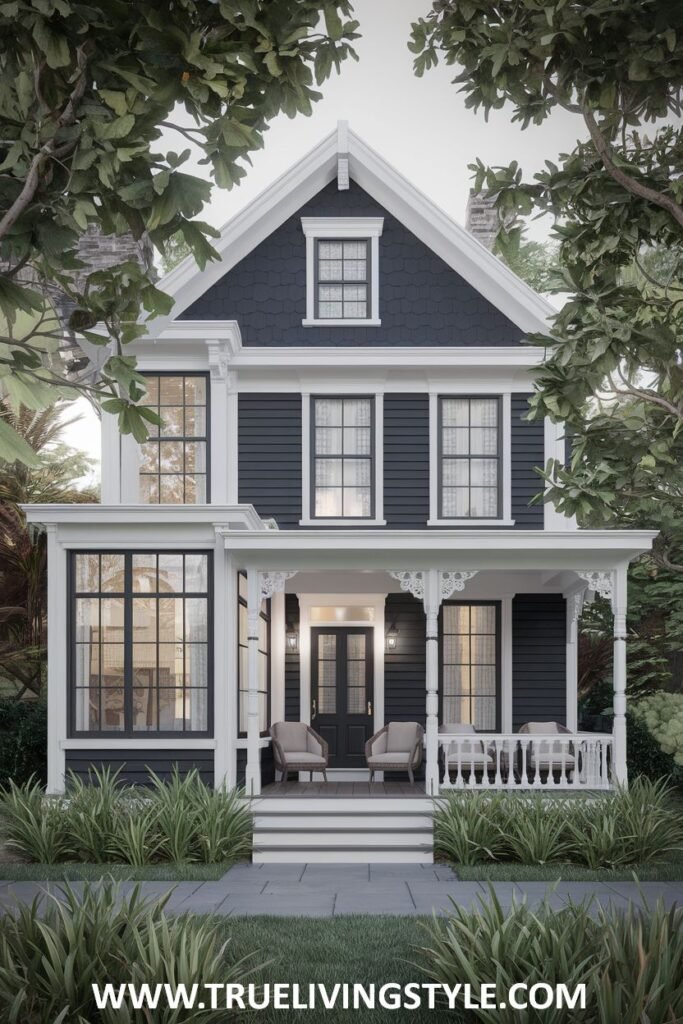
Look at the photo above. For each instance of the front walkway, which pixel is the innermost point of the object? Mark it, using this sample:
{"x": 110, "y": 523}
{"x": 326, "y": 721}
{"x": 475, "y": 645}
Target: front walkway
{"x": 330, "y": 890}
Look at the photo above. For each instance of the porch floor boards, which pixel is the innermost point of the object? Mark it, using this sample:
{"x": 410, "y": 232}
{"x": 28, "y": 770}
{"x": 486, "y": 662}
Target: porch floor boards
{"x": 380, "y": 790}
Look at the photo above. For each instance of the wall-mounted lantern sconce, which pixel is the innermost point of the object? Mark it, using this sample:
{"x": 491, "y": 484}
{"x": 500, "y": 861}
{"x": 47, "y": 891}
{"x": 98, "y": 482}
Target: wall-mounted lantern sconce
{"x": 292, "y": 639}
{"x": 391, "y": 638}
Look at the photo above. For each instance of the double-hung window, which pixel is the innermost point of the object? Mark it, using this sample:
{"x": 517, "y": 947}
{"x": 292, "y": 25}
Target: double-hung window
{"x": 342, "y": 458}
{"x": 470, "y": 664}
{"x": 342, "y": 279}
{"x": 470, "y": 462}
{"x": 174, "y": 460}
{"x": 140, "y": 642}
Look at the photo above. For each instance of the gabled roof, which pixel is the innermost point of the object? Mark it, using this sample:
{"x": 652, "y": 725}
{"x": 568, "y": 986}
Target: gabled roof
{"x": 339, "y": 151}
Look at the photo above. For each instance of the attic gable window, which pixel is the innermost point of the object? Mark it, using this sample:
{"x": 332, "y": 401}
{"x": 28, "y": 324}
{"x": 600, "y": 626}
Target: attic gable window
{"x": 342, "y": 271}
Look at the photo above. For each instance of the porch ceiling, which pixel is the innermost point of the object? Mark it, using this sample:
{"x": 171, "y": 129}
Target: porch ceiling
{"x": 367, "y": 550}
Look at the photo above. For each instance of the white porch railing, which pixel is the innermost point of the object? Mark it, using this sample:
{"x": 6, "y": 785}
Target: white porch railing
{"x": 521, "y": 761}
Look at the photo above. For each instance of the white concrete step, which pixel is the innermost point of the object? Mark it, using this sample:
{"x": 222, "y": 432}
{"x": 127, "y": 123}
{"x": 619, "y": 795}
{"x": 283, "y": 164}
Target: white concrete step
{"x": 343, "y": 856}
{"x": 345, "y": 830}
{"x": 333, "y": 837}
{"x": 377, "y": 822}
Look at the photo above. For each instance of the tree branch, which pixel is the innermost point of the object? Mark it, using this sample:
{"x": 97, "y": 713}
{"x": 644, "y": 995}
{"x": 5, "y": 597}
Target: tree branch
{"x": 632, "y": 185}
{"x": 32, "y": 182}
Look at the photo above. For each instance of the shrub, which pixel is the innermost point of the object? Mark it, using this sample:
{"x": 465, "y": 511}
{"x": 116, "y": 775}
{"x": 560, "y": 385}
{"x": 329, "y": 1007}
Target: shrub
{"x": 644, "y": 756}
{"x": 50, "y": 956}
{"x": 23, "y": 741}
{"x": 663, "y": 715}
{"x": 633, "y": 826}
{"x": 630, "y": 962}
{"x": 101, "y": 821}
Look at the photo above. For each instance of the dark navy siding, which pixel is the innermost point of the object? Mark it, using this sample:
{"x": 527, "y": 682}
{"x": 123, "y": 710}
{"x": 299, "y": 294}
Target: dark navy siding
{"x": 134, "y": 764}
{"x": 405, "y": 667}
{"x": 539, "y": 671}
{"x": 406, "y": 461}
{"x": 269, "y": 429}
{"x": 267, "y": 766}
{"x": 292, "y": 670}
{"x": 527, "y": 455}
{"x": 422, "y": 300}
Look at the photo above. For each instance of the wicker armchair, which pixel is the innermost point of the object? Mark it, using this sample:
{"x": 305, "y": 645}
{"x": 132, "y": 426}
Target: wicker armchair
{"x": 395, "y": 748}
{"x": 547, "y": 755}
{"x": 297, "y": 748}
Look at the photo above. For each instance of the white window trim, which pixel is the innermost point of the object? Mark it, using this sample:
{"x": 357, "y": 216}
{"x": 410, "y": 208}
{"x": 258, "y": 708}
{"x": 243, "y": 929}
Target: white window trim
{"x": 506, "y": 462}
{"x": 342, "y": 227}
{"x": 306, "y": 518}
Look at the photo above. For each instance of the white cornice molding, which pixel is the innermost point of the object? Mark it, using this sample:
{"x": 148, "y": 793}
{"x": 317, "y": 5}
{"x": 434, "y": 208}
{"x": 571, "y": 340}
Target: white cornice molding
{"x": 224, "y": 518}
{"x": 342, "y": 227}
{"x": 463, "y": 253}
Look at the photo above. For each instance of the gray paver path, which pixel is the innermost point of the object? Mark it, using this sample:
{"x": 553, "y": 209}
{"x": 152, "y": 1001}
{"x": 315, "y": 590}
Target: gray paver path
{"x": 327, "y": 890}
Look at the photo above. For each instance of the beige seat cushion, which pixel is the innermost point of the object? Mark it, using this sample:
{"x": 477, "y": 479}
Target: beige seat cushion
{"x": 394, "y": 757}
{"x": 470, "y": 752}
{"x": 468, "y": 756}
{"x": 291, "y": 736}
{"x": 303, "y": 757}
{"x": 401, "y": 736}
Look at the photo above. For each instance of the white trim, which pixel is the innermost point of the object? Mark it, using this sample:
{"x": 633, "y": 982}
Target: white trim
{"x": 110, "y": 469}
{"x": 505, "y": 460}
{"x": 281, "y": 200}
{"x": 278, "y": 650}
{"x": 506, "y": 680}
{"x": 241, "y": 742}
{"x": 222, "y": 646}
{"x": 148, "y": 743}
{"x": 315, "y": 228}
{"x": 375, "y": 601}
{"x": 56, "y": 661}
{"x": 306, "y": 493}
{"x": 231, "y": 441}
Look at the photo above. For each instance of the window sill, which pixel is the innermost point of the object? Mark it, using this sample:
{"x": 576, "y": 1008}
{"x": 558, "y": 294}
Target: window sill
{"x": 455, "y": 523}
{"x": 341, "y": 323}
{"x": 342, "y": 522}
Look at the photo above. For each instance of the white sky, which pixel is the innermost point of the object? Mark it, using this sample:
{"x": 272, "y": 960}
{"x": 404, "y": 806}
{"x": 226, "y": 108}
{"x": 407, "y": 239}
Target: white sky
{"x": 421, "y": 126}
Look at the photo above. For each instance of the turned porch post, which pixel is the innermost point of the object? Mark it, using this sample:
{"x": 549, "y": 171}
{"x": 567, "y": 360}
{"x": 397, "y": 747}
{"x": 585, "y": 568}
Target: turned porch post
{"x": 432, "y": 601}
{"x": 619, "y": 604}
{"x": 253, "y": 769}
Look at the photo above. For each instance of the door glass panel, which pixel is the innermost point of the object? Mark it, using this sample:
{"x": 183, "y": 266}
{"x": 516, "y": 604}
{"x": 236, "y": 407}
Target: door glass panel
{"x": 356, "y": 701}
{"x": 327, "y": 674}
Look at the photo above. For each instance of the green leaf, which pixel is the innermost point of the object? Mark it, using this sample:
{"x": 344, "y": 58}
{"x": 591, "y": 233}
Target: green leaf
{"x": 13, "y": 447}
{"x": 54, "y": 46}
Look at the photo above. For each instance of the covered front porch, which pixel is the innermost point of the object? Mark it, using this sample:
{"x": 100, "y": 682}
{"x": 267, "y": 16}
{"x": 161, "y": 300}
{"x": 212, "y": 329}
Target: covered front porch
{"x": 520, "y": 733}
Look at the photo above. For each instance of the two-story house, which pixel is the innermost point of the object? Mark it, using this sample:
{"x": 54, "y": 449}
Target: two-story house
{"x": 333, "y": 524}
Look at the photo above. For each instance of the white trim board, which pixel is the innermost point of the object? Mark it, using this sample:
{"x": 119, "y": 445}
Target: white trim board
{"x": 463, "y": 253}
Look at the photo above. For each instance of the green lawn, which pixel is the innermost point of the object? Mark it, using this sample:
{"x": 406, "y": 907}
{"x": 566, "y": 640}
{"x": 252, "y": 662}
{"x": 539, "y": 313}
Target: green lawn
{"x": 664, "y": 871}
{"x": 330, "y": 951}
{"x": 121, "y": 872}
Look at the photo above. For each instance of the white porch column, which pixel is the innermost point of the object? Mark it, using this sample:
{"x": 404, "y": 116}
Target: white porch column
{"x": 260, "y": 586}
{"x": 253, "y": 769}
{"x": 432, "y": 587}
{"x": 574, "y": 604}
{"x": 219, "y": 432}
{"x": 619, "y": 604}
{"x": 57, "y": 682}
{"x": 432, "y": 602}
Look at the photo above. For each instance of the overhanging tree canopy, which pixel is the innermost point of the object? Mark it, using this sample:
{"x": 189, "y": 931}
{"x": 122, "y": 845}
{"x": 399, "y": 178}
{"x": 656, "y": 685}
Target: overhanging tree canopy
{"x": 90, "y": 92}
{"x": 617, "y": 65}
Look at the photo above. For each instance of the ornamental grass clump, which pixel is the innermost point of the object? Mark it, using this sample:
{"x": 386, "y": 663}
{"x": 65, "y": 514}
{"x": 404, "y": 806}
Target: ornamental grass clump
{"x": 51, "y": 955}
{"x": 181, "y": 820}
{"x": 630, "y": 962}
{"x": 638, "y": 825}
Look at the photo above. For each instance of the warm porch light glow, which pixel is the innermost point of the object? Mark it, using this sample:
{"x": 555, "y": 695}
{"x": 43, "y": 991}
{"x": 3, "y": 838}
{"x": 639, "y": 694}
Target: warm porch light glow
{"x": 292, "y": 639}
{"x": 391, "y": 638}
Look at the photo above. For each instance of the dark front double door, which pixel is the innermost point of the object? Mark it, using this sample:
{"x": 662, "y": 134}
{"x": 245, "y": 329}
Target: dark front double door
{"x": 342, "y": 692}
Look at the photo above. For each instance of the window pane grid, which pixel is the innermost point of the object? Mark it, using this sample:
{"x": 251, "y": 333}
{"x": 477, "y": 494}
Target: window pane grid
{"x": 469, "y": 660}
{"x": 343, "y": 458}
{"x": 469, "y": 458}
{"x": 174, "y": 460}
{"x": 141, "y": 648}
{"x": 342, "y": 279}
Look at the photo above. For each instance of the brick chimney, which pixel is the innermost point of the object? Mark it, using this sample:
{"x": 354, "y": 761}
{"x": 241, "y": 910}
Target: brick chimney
{"x": 481, "y": 218}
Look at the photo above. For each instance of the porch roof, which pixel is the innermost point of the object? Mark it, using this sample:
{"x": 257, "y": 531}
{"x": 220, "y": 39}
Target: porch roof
{"x": 363, "y": 549}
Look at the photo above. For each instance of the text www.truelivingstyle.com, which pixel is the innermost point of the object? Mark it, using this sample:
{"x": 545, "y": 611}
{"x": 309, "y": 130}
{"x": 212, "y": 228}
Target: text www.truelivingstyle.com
{"x": 343, "y": 995}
